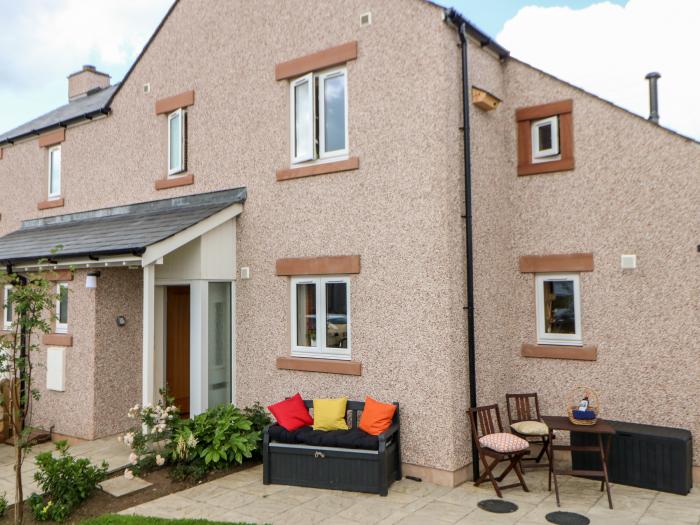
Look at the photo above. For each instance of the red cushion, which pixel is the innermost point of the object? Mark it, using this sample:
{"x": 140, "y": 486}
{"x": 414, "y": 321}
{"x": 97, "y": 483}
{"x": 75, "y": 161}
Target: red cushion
{"x": 291, "y": 413}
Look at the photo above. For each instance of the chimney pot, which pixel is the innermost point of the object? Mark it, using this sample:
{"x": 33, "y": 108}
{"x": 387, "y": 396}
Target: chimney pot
{"x": 653, "y": 77}
{"x": 87, "y": 80}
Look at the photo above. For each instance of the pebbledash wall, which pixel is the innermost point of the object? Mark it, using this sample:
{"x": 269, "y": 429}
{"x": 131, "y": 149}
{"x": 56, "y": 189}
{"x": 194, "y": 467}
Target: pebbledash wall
{"x": 400, "y": 211}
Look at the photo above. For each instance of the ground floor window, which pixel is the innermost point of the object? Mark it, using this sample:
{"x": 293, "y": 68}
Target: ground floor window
{"x": 558, "y": 309}
{"x": 320, "y": 316}
{"x": 62, "y": 308}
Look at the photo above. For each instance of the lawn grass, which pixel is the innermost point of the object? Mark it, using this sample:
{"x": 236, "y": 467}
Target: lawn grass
{"x": 115, "y": 519}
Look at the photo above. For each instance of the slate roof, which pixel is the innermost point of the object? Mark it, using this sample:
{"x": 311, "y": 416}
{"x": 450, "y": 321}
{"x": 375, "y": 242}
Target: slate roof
{"x": 80, "y": 108}
{"x": 112, "y": 231}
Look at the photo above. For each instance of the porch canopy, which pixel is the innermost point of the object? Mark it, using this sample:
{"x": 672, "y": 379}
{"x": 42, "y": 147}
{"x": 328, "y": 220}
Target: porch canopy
{"x": 188, "y": 241}
{"x": 136, "y": 234}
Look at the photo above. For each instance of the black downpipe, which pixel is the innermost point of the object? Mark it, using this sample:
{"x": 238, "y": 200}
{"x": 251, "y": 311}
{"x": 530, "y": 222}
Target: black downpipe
{"x": 471, "y": 347}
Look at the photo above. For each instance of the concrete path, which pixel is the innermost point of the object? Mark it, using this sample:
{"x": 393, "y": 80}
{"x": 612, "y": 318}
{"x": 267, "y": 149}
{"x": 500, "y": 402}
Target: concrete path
{"x": 115, "y": 453}
{"x": 243, "y": 497}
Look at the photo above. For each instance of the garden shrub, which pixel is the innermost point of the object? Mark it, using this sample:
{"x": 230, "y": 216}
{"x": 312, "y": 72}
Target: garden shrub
{"x": 3, "y": 504}
{"x": 259, "y": 418}
{"x": 66, "y": 482}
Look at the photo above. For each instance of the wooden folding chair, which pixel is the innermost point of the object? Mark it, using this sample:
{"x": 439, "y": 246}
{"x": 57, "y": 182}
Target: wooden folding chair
{"x": 526, "y": 407}
{"x": 487, "y": 420}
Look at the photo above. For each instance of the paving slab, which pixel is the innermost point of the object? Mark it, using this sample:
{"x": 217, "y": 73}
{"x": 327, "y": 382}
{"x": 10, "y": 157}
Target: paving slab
{"x": 120, "y": 486}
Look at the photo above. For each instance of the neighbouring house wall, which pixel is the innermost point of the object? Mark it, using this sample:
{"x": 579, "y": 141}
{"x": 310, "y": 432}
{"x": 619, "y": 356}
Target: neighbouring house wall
{"x": 71, "y": 412}
{"x": 634, "y": 191}
{"x": 118, "y": 353}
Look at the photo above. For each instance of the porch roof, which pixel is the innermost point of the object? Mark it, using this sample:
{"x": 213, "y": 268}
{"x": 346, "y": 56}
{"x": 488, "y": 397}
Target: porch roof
{"x": 119, "y": 230}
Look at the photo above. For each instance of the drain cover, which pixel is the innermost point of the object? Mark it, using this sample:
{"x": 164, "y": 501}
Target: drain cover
{"x": 498, "y": 506}
{"x": 567, "y": 518}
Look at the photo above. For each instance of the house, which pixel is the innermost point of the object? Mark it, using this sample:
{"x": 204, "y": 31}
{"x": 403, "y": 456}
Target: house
{"x": 273, "y": 201}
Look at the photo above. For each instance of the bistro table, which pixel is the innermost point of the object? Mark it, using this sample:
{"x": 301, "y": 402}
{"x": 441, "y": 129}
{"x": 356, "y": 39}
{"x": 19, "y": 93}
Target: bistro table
{"x": 601, "y": 428}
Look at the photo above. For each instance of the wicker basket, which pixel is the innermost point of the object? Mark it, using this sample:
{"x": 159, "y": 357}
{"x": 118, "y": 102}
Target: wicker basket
{"x": 576, "y": 395}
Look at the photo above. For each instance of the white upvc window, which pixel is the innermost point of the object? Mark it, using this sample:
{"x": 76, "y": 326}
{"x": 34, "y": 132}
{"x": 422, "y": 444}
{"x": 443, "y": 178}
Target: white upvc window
{"x": 176, "y": 142}
{"x": 62, "y": 308}
{"x": 320, "y": 317}
{"x": 54, "y": 172}
{"x": 7, "y": 308}
{"x": 545, "y": 139}
{"x": 319, "y": 115}
{"x": 558, "y": 300}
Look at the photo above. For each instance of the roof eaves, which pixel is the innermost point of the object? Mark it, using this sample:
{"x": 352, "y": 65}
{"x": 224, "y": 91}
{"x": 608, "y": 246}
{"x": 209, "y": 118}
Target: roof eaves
{"x": 457, "y": 20}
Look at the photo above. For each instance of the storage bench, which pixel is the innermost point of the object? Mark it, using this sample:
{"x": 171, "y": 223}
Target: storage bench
{"x": 337, "y": 459}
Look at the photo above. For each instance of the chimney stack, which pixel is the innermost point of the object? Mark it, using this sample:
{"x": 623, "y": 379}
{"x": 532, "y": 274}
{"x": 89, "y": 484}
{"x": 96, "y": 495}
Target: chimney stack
{"x": 653, "y": 77}
{"x": 88, "y": 79}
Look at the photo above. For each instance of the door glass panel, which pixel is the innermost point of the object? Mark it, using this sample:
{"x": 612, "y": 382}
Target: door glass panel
{"x": 306, "y": 314}
{"x": 334, "y": 113}
{"x": 336, "y": 315}
{"x": 219, "y": 343}
{"x": 559, "y": 311}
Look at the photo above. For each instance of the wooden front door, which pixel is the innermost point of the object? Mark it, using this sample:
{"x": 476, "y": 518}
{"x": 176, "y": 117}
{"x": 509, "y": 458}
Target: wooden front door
{"x": 177, "y": 357}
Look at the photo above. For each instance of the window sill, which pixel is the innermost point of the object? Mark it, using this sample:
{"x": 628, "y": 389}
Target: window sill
{"x": 51, "y": 203}
{"x": 537, "y": 168}
{"x": 57, "y": 339}
{"x": 326, "y": 366}
{"x": 175, "y": 181}
{"x": 578, "y": 353}
{"x": 323, "y": 168}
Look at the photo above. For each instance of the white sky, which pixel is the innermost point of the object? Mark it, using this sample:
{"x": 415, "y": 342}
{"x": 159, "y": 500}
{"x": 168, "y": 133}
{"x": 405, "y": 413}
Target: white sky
{"x": 608, "y": 49}
{"x": 605, "y": 48}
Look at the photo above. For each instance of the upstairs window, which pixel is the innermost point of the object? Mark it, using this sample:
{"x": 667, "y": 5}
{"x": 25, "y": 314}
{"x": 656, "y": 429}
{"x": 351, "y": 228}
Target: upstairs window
{"x": 7, "y": 308}
{"x": 62, "y": 308}
{"x": 321, "y": 317}
{"x": 319, "y": 108}
{"x": 176, "y": 142}
{"x": 545, "y": 139}
{"x": 558, "y": 309}
{"x": 55, "y": 172}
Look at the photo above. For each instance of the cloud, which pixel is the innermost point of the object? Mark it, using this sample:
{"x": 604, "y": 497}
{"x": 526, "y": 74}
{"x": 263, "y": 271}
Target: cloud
{"x": 607, "y": 49}
{"x": 43, "y": 41}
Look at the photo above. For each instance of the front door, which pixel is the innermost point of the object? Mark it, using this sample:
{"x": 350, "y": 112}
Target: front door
{"x": 177, "y": 343}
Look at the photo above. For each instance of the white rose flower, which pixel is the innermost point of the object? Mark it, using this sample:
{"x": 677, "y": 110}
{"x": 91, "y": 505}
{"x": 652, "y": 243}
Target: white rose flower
{"x": 128, "y": 474}
{"x": 160, "y": 460}
{"x": 133, "y": 458}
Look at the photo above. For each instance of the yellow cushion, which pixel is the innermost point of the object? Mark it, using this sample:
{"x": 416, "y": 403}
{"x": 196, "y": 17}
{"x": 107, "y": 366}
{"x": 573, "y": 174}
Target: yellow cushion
{"x": 530, "y": 428}
{"x": 329, "y": 414}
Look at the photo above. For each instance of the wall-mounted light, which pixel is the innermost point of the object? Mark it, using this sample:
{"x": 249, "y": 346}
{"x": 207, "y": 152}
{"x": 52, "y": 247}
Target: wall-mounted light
{"x": 91, "y": 279}
{"x": 121, "y": 320}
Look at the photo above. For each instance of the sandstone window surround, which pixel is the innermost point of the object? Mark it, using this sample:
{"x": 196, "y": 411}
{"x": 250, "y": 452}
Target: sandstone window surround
{"x": 320, "y": 314}
{"x": 51, "y": 142}
{"x": 318, "y": 109}
{"x": 545, "y": 138}
{"x": 558, "y": 306}
{"x": 174, "y": 108}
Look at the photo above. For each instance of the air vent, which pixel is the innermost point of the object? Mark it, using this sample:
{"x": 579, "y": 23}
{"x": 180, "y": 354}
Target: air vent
{"x": 365, "y": 19}
{"x": 628, "y": 262}
{"x": 146, "y": 88}
{"x": 245, "y": 272}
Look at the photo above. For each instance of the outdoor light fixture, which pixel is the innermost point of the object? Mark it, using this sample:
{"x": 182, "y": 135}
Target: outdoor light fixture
{"x": 91, "y": 279}
{"x": 121, "y": 320}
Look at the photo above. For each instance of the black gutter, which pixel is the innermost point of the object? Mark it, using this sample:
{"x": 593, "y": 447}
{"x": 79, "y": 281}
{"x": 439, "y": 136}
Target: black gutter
{"x": 25, "y": 261}
{"x": 462, "y": 24}
{"x": 105, "y": 110}
{"x": 463, "y": 31}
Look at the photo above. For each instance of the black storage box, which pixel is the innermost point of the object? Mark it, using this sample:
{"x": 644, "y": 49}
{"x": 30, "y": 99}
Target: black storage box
{"x": 646, "y": 456}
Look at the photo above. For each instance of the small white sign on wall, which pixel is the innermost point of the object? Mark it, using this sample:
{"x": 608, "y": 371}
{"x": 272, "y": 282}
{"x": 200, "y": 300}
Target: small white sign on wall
{"x": 56, "y": 368}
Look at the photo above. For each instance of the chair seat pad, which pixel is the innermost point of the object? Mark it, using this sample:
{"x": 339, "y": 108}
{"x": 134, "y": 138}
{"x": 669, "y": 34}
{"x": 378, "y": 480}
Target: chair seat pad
{"x": 504, "y": 442}
{"x": 530, "y": 428}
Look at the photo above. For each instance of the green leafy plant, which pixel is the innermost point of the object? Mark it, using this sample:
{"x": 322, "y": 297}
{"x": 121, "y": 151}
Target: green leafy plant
{"x": 157, "y": 425}
{"x": 32, "y": 302}
{"x": 259, "y": 418}
{"x": 66, "y": 482}
{"x": 220, "y": 437}
{"x": 3, "y": 504}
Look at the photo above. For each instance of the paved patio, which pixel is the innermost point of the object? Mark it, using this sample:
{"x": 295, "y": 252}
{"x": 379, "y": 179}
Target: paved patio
{"x": 243, "y": 497}
{"x": 116, "y": 454}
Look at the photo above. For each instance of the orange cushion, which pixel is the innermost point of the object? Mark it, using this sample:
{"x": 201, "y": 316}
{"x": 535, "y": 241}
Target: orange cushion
{"x": 376, "y": 416}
